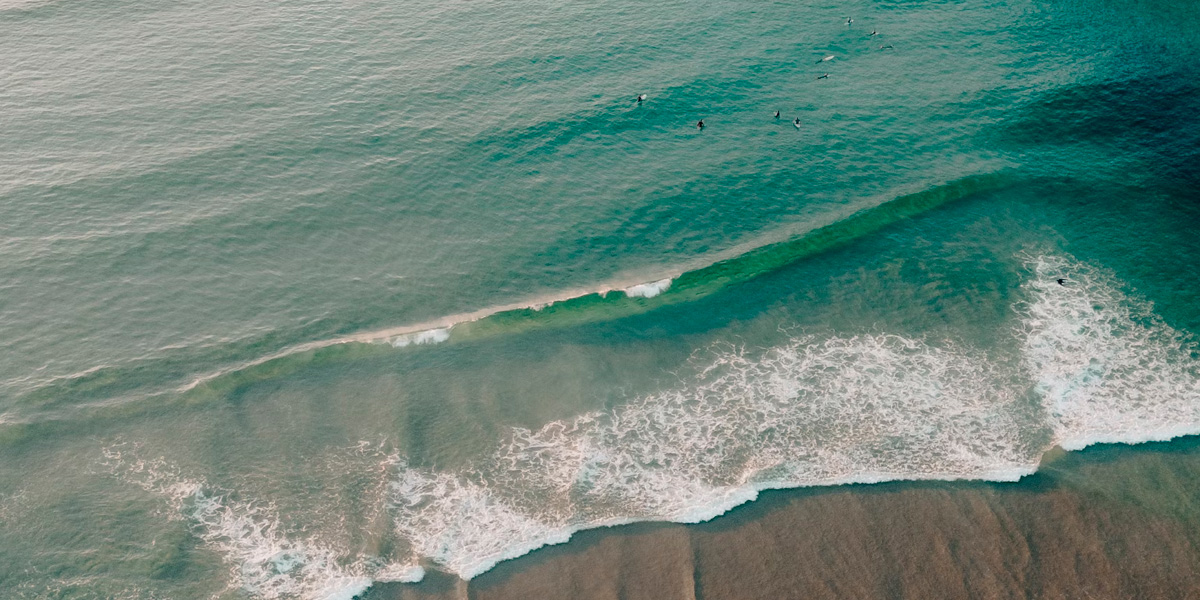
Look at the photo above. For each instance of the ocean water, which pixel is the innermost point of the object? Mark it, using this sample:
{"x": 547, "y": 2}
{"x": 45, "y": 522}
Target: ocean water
{"x": 301, "y": 296}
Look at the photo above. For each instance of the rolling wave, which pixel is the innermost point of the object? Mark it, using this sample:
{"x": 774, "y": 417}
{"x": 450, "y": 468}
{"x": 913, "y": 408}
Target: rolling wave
{"x": 612, "y": 301}
{"x": 1089, "y": 364}
{"x": 107, "y": 386}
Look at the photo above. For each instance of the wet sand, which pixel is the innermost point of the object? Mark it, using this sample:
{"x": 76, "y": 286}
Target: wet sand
{"x": 1108, "y": 522}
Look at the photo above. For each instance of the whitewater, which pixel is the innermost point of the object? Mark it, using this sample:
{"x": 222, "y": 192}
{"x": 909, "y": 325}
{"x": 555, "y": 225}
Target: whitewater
{"x": 1094, "y": 365}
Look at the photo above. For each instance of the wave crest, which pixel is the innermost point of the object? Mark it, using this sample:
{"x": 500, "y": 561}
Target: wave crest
{"x": 1089, "y": 363}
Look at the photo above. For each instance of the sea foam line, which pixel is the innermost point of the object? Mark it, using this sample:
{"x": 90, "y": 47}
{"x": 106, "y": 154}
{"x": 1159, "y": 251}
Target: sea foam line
{"x": 819, "y": 412}
{"x": 815, "y": 411}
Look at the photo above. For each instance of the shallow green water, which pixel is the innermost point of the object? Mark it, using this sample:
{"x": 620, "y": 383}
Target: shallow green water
{"x": 300, "y": 296}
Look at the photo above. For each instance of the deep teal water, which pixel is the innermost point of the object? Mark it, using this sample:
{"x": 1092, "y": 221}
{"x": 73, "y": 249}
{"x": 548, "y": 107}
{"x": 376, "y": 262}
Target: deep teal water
{"x": 300, "y": 296}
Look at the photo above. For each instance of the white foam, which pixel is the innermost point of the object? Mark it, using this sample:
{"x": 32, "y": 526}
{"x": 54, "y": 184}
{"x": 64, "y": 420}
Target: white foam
{"x": 401, "y": 574}
{"x": 1108, "y": 368}
{"x": 813, "y": 412}
{"x": 264, "y": 561}
{"x": 461, "y": 525}
{"x": 1091, "y": 364}
{"x": 822, "y": 411}
{"x": 648, "y": 290}
{"x": 430, "y": 336}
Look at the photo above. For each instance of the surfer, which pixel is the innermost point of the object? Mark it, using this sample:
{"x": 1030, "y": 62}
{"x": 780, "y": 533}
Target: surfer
{"x": 826, "y": 59}
{"x": 825, "y": 76}
{"x": 700, "y": 124}
{"x": 849, "y": 21}
{"x": 640, "y": 98}
{"x": 796, "y": 122}
{"x": 874, "y": 33}
{"x": 776, "y": 114}
{"x": 1062, "y": 282}
{"x": 887, "y": 47}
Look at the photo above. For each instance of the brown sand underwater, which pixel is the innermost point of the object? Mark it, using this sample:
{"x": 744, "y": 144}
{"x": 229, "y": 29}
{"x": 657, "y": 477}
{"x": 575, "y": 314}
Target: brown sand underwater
{"x": 1108, "y": 522}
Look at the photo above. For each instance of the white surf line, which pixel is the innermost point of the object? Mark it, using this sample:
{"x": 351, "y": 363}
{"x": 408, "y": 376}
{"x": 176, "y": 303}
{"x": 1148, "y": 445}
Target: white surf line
{"x": 437, "y": 328}
{"x": 1105, "y": 367}
{"x": 623, "y": 284}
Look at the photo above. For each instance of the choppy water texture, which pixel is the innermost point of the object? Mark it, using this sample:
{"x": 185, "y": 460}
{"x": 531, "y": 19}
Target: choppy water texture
{"x": 303, "y": 296}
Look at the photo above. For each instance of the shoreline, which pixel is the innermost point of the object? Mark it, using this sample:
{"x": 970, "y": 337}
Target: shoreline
{"x": 785, "y": 542}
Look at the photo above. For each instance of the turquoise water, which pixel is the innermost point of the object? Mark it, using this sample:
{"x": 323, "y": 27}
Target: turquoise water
{"x": 301, "y": 296}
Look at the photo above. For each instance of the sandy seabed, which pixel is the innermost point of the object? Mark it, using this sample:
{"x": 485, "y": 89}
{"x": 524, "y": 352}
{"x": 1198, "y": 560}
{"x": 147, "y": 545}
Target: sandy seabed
{"x": 1108, "y": 522}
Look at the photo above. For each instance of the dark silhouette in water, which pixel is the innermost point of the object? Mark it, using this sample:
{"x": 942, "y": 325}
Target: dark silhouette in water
{"x": 825, "y": 76}
{"x": 640, "y": 98}
{"x": 874, "y": 33}
{"x": 700, "y": 124}
{"x": 1062, "y": 282}
{"x": 796, "y": 122}
{"x": 776, "y": 114}
{"x": 849, "y": 21}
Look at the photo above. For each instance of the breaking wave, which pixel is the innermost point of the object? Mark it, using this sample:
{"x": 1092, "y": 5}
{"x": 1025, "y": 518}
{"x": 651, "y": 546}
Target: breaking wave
{"x": 629, "y": 295}
{"x": 264, "y": 560}
{"x": 623, "y": 298}
{"x": 1089, "y": 363}
{"x": 1107, "y": 368}
{"x": 1094, "y": 365}
{"x": 648, "y": 290}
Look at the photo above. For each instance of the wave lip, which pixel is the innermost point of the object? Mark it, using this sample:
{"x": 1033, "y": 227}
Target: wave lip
{"x": 429, "y": 336}
{"x": 648, "y": 290}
